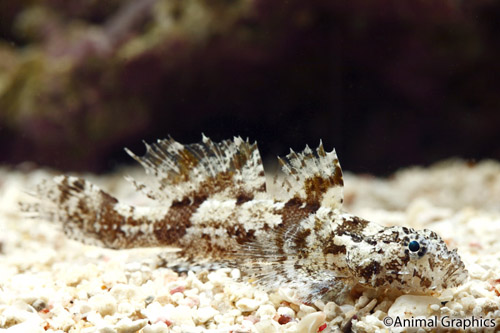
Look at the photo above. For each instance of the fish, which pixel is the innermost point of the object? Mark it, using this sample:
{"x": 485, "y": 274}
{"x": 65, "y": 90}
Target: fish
{"x": 212, "y": 204}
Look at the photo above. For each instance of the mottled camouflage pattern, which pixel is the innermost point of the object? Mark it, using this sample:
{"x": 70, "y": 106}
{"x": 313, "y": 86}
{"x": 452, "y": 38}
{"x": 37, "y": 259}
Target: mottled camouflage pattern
{"x": 213, "y": 205}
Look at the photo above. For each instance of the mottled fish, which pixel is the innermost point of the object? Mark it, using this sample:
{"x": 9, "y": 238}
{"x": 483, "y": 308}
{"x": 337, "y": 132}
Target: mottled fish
{"x": 213, "y": 204}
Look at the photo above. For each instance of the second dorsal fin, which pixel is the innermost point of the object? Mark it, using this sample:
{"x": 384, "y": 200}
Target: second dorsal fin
{"x": 232, "y": 168}
{"x": 313, "y": 178}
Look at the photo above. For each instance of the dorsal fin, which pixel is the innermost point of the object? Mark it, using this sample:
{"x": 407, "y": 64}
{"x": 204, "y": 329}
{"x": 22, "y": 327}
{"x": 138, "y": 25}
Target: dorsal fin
{"x": 232, "y": 168}
{"x": 314, "y": 179}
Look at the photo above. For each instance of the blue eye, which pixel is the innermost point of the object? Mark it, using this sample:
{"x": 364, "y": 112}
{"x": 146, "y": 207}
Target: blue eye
{"x": 414, "y": 246}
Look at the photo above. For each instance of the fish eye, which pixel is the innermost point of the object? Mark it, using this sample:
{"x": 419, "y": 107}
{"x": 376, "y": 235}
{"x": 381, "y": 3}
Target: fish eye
{"x": 414, "y": 246}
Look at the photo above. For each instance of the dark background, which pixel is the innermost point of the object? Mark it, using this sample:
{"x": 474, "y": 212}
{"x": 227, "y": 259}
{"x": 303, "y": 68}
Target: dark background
{"x": 387, "y": 83}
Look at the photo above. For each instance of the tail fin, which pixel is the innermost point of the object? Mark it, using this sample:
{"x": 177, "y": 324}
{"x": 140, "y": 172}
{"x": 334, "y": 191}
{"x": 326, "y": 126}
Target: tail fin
{"x": 92, "y": 216}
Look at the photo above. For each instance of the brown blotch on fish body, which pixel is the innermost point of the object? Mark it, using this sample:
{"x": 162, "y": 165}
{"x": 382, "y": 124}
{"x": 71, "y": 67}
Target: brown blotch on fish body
{"x": 332, "y": 248}
{"x": 373, "y": 268}
{"x": 241, "y": 235}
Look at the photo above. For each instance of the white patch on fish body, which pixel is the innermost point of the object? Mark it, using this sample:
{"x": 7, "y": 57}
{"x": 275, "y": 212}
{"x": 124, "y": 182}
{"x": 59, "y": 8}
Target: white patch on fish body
{"x": 254, "y": 212}
{"x": 215, "y": 210}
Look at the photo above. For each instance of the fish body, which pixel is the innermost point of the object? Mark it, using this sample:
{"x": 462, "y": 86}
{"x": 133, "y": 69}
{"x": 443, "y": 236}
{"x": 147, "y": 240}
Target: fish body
{"x": 213, "y": 206}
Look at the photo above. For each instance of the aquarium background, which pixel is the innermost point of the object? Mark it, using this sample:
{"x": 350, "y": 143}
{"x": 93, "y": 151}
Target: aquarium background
{"x": 387, "y": 83}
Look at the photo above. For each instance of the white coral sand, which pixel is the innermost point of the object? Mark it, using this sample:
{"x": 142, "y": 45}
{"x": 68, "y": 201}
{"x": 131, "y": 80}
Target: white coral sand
{"x": 50, "y": 283}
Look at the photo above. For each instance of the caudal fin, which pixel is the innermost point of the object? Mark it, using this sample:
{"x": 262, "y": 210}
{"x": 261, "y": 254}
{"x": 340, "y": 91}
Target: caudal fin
{"x": 89, "y": 215}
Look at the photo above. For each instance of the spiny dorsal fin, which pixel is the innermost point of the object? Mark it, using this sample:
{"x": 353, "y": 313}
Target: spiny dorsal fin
{"x": 313, "y": 178}
{"x": 232, "y": 168}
